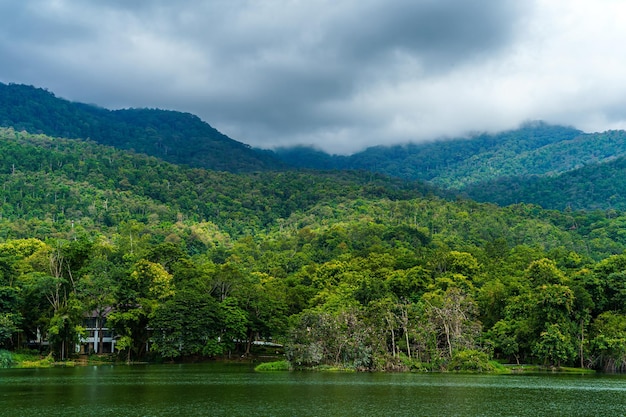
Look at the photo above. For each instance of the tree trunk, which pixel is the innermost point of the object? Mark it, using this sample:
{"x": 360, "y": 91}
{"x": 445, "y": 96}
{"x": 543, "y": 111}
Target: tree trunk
{"x": 408, "y": 347}
{"x": 447, "y": 331}
{"x": 393, "y": 342}
{"x": 582, "y": 342}
{"x": 405, "y": 328}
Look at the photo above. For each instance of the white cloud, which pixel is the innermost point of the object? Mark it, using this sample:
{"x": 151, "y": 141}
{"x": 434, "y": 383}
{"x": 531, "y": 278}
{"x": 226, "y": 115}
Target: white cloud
{"x": 340, "y": 75}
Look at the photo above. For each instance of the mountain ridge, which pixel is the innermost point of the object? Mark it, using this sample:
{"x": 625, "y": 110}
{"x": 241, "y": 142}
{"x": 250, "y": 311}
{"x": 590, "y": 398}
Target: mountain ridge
{"x": 205, "y": 258}
{"x": 450, "y": 163}
{"x": 176, "y": 137}
{"x": 536, "y": 163}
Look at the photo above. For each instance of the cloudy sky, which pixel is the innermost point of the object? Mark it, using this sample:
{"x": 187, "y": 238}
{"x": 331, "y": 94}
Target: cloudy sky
{"x": 337, "y": 74}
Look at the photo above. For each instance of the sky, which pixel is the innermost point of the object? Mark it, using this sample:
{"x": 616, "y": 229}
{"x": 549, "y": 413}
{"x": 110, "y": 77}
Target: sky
{"x": 340, "y": 75}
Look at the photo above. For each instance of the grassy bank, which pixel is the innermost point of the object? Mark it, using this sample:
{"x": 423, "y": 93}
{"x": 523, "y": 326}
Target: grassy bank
{"x": 552, "y": 369}
{"x": 493, "y": 367}
{"x": 25, "y": 359}
{"x": 273, "y": 366}
{"x": 33, "y": 359}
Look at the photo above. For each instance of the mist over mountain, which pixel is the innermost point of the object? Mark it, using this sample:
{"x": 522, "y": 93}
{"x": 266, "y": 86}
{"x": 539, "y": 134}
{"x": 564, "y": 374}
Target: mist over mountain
{"x": 449, "y": 163}
{"x": 552, "y": 166}
{"x": 556, "y": 167}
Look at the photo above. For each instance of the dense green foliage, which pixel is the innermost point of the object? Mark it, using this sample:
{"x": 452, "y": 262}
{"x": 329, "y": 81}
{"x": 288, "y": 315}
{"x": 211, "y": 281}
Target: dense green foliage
{"x": 345, "y": 269}
{"x": 6, "y": 359}
{"x": 91, "y": 185}
{"x": 594, "y": 186}
{"x": 456, "y": 162}
{"x": 552, "y": 166}
{"x": 177, "y": 137}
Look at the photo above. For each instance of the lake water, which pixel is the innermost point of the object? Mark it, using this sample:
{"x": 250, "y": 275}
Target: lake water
{"x": 236, "y": 390}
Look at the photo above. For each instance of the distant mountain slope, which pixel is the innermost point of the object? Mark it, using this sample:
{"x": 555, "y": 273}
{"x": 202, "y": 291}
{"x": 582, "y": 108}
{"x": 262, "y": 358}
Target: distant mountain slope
{"x": 60, "y": 180}
{"x": 57, "y": 187}
{"x": 450, "y": 163}
{"x": 180, "y": 138}
{"x": 595, "y": 186}
{"x": 552, "y": 166}
{"x": 551, "y": 159}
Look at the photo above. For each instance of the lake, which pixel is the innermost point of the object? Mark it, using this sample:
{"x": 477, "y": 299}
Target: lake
{"x": 216, "y": 389}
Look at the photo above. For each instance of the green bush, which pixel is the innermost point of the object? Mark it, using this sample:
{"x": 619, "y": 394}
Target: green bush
{"x": 273, "y": 366}
{"x": 31, "y": 359}
{"x": 6, "y": 359}
{"x": 470, "y": 360}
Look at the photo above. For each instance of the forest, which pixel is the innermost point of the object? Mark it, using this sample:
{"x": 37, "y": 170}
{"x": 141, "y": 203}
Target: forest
{"x": 177, "y": 137}
{"x": 555, "y": 167}
{"x": 343, "y": 268}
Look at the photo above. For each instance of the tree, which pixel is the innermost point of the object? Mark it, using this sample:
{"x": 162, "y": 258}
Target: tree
{"x": 234, "y": 322}
{"x": 338, "y": 339}
{"x": 608, "y": 342}
{"x": 139, "y": 293}
{"x": 186, "y": 324}
{"x": 554, "y": 346}
{"x": 9, "y": 324}
{"x": 97, "y": 289}
{"x": 545, "y": 272}
{"x": 453, "y": 314}
{"x": 263, "y": 298}
{"x": 504, "y": 338}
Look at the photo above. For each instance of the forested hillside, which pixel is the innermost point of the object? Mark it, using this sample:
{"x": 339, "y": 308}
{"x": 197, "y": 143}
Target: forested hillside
{"x": 455, "y": 162}
{"x": 176, "y": 137}
{"x": 551, "y": 166}
{"x": 347, "y": 269}
{"x": 60, "y": 179}
{"x": 592, "y": 187}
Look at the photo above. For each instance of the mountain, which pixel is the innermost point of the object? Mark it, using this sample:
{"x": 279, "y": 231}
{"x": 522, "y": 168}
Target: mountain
{"x": 347, "y": 269}
{"x": 553, "y": 166}
{"x": 65, "y": 180}
{"x": 597, "y": 186}
{"x": 180, "y": 138}
{"x": 450, "y": 163}
{"x": 54, "y": 186}
{"x": 556, "y": 167}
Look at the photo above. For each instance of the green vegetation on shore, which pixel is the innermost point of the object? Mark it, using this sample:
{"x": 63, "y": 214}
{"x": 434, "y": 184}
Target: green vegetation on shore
{"x": 341, "y": 270}
{"x": 281, "y": 365}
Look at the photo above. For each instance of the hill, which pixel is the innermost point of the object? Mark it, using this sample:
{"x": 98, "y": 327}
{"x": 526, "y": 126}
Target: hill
{"x": 455, "y": 162}
{"x": 522, "y": 165}
{"x": 596, "y": 186}
{"x": 60, "y": 180}
{"x": 180, "y": 138}
{"x": 552, "y": 166}
{"x": 351, "y": 269}
{"x": 347, "y": 269}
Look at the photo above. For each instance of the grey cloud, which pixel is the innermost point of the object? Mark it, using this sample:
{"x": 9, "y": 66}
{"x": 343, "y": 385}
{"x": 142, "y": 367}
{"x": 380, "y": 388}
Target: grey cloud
{"x": 348, "y": 51}
{"x": 263, "y": 72}
{"x": 438, "y": 31}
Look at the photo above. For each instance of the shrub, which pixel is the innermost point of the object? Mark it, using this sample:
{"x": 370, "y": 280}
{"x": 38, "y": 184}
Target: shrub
{"x": 273, "y": 366}
{"x": 6, "y": 359}
{"x": 470, "y": 360}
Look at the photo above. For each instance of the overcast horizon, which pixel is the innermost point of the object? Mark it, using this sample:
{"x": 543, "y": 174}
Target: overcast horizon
{"x": 339, "y": 75}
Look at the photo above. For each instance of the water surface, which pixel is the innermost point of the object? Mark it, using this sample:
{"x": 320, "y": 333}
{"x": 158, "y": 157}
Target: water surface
{"x": 236, "y": 390}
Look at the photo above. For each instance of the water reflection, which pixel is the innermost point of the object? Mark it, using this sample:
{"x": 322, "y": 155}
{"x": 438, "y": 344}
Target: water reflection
{"x": 235, "y": 390}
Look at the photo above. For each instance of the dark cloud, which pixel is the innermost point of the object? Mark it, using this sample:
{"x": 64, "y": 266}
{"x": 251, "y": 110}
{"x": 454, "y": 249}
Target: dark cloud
{"x": 437, "y": 32}
{"x": 313, "y": 58}
{"x": 338, "y": 74}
